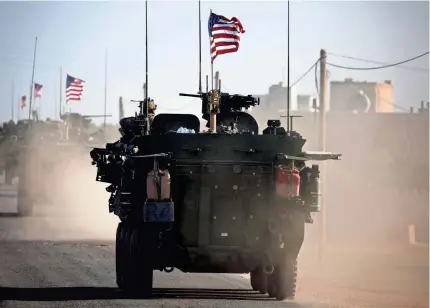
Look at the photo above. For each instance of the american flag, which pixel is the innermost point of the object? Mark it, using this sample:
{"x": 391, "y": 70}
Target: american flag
{"x": 224, "y": 34}
{"x": 74, "y": 88}
{"x": 37, "y": 90}
{"x": 23, "y": 101}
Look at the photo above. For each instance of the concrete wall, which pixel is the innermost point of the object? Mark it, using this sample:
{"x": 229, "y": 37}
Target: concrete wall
{"x": 345, "y": 96}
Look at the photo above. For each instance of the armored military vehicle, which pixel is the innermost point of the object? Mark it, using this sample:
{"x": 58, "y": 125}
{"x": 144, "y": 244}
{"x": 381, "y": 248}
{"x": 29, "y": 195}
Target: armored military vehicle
{"x": 7, "y": 157}
{"x": 233, "y": 199}
{"x": 45, "y": 149}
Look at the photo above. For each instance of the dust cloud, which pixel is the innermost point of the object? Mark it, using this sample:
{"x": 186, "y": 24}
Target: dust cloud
{"x": 372, "y": 196}
{"x": 76, "y": 206}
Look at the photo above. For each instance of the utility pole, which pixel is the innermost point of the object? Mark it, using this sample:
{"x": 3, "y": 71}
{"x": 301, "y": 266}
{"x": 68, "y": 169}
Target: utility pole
{"x": 322, "y": 147}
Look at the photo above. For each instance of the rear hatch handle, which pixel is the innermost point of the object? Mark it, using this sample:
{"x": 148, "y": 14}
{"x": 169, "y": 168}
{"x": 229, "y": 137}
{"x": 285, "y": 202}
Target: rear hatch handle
{"x": 248, "y": 151}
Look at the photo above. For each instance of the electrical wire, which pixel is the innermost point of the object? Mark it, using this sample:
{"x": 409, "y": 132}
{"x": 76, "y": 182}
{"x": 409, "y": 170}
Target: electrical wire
{"x": 380, "y": 67}
{"x": 304, "y": 75}
{"x": 316, "y": 80}
{"x": 418, "y": 69}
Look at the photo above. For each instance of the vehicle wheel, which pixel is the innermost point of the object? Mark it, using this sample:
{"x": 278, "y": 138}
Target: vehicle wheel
{"x": 136, "y": 267}
{"x": 142, "y": 273}
{"x": 259, "y": 280}
{"x": 125, "y": 259}
{"x": 119, "y": 247}
{"x": 8, "y": 176}
{"x": 283, "y": 281}
{"x": 25, "y": 204}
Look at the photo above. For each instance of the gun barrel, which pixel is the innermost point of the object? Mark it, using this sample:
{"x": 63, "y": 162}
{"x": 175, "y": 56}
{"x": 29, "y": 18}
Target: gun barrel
{"x": 190, "y": 95}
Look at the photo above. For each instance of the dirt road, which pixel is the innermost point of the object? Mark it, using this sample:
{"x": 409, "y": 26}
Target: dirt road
{"x": 81, "y": 273}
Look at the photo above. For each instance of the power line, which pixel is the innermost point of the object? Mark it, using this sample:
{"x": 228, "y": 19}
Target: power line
{"x": 304, "y": 75}
{"x": 316, "y": 80}
{"x": 379, "y": 67}
{"x": 418, "y": 69}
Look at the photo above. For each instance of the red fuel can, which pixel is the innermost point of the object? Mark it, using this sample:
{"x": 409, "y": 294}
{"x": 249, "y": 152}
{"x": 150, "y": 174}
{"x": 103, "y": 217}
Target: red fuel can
{"x": 287, "y": 181}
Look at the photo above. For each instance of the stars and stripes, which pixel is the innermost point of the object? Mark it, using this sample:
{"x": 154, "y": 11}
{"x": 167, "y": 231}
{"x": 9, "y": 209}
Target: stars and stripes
{"x": 74, "y": 88}
{"x": 37, "y": 90}
{"x": 23, "y": 101}
{"x": 224, "y": 34}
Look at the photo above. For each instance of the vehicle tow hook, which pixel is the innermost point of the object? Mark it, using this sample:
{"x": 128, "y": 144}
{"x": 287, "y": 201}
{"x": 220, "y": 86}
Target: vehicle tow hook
{"x": 268, "y": 267}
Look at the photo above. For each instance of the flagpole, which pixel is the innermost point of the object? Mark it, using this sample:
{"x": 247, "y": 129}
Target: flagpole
{"x": 13, "y": 98}
{"x": 200, "y": 48}
{"x": 32, "y": 80}
{"x": 40, "y": 108}
{"x": 55, "y": 98}
{"x": 146, "y": 66}
{"x": 212, "y": 73}
{"x": 104, "y": 124}
{"x": 212, "y": 62}
{"x": 61, "y": 90}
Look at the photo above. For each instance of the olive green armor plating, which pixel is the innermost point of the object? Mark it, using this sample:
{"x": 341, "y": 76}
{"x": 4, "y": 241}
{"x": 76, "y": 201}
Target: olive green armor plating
{"x": 230, "y": 200}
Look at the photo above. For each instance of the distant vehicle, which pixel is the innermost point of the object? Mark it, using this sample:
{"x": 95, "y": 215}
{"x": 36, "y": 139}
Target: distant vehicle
{"x": 36, "y": 152}
{"x": 229, "y": 200}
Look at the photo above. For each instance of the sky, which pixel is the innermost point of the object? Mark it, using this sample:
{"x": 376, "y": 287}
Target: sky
{"x": 75, "y": 36}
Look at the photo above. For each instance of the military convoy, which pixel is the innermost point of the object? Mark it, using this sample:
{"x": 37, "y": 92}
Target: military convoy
{"x": 233, "y": 199}
{"x": 37, "y": 151}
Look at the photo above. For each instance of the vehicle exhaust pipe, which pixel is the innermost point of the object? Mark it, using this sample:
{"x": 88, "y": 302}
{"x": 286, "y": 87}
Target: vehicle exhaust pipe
{"x": 268, "y": 267}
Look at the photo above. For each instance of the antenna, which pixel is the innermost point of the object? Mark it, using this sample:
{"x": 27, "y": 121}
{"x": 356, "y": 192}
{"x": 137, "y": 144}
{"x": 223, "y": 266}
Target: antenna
{"x": 288, "y": 67}
{"x": 146, "y": 66}
{"x": 105, "y": 98}
{"x": 200, "y": 48}
{"x": 291, "y": 117}
{"x": 61, "y": 90}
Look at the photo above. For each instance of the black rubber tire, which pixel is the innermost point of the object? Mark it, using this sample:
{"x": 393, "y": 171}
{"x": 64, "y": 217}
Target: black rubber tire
{"x": 127, "y": 282}
{"x": 136, "y": 268}
{"x": 8, "y": 176}
{"x": 254, "y": 280}
{"x": 283, "y": 281}
{"x": 259, "y": 280}
{"x": 119, "y": 247}
{"x": 25, "y": 204}
{"x": 143, "y": 273}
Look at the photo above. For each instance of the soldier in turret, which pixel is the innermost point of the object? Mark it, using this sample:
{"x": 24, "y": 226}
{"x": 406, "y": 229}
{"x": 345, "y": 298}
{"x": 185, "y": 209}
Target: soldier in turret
{"x": 151, "y": 110}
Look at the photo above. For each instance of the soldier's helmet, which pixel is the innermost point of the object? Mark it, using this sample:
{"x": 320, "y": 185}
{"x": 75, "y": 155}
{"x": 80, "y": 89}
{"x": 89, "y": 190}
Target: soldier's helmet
{"x": 152, "y": 106}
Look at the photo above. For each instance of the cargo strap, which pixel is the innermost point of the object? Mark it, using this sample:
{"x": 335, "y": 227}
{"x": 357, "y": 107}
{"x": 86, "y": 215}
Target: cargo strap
{"x": 157, "y": 180}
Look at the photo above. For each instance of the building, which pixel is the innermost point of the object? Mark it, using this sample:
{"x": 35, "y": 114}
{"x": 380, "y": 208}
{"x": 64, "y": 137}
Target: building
{"x": 276, "y": 98}
{"x": 362, "y": 96}
{"x": 381, "y": 183}
{"x": 305, "y": 103}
